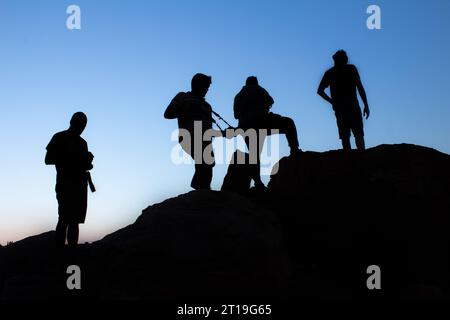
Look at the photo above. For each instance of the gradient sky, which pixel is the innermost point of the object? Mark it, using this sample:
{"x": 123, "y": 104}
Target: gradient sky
{"x": 131, "y": 57}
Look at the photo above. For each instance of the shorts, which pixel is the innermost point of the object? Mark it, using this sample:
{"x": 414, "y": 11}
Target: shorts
{"x": 72, "y": 203}
{"x": 349, "y": 121}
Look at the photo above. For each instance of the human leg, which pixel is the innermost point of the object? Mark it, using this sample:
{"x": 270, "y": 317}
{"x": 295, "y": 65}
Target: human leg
{"x": 346, "y": 143}
{"x": 60, "y": 233}
{"x": 204, "y": 165}
{"x": 256, "y": 174}
{"x": 72, "y": 234}
{"x": 359, "y": 140}
{"x": 344, "y": 129}
{"x": 358, "y": 129}
{"x": 286, "y": 126}
{"x": 202, "y": 177}
{"x": 63, "y": 197}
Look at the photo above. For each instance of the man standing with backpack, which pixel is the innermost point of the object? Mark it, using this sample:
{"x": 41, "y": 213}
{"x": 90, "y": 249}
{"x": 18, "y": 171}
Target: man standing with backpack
{"x": 252, "y": 108}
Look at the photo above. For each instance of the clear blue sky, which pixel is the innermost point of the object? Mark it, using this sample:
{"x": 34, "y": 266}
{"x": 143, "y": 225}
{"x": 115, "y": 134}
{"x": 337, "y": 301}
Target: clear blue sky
{"x": 131, "y": 57}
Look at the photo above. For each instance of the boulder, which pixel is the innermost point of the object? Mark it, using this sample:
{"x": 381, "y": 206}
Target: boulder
{"x": 325, "y": 218}
{"x": 203, "y": 244}
{"x": 387, "y": 206}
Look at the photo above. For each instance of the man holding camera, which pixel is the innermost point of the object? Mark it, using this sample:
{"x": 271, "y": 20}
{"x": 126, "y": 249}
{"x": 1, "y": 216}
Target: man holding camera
{"x": 69, "y": 153}
{"x": 191, "y": 108}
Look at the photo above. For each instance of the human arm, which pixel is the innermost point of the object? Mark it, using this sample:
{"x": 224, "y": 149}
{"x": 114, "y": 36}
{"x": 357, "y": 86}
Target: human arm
{"x": 52, "y": 154}
{"x": 268, "y": 100}
{"x": 237, "y": 107}
{"x": 89, "y": 159}
{"x": 173, "y": 109}
{"x": 362, "y": 94}
{"x": 324, "y": 83}
{"x": 50, "y": 158}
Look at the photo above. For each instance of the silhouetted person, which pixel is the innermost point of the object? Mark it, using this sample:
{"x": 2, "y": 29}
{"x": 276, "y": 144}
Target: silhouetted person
{"x": 343, "y": 80}
{"x": 240, "y": 173}
{"x": 69, "y": 153}
{"x": 252, "y": 108}
{"x": 189, "y": 107}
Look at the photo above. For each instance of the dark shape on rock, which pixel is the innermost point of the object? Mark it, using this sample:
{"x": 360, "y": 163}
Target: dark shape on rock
{"x": 190, "y": 108}
{"x": 251, "y": 107}
{"x": 386, "y": 206}
{"x": 344, "y": 81}
{"x": 69, "y": 153}
{"x": 200, "y": 245}
{"x": 325, "y": 218}
{"x": 240, "y": 173}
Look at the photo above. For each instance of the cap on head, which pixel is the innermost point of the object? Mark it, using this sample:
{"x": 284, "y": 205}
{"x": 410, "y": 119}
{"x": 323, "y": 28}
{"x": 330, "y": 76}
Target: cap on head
{"x": 252, "y": 80}
{"x": 199, "y": 82}
{"x": 340, "y": 58}
{"x": 78, "y": 122}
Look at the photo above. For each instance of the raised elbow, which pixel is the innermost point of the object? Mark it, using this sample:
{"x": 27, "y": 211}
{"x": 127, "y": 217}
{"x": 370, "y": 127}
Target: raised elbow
{"x": 169, "y": 115}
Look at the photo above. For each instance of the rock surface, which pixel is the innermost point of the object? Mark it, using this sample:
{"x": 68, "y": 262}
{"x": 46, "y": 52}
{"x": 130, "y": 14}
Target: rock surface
{"x": 325, "y": 218}
{"x": 387, "y": 206}
{"x": 204, "y": 244}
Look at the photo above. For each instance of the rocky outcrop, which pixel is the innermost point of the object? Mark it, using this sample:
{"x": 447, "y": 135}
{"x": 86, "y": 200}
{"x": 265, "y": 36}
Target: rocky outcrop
{"x": 387, "y": 206}
{"x": 204, "y": 244}
{"x": 201, "y": 244}
{"x": 325, "y": 218}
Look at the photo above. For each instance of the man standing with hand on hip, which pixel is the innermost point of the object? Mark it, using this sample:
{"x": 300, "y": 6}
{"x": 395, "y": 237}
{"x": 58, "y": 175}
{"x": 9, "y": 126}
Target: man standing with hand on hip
{"x": 343, "y": 80}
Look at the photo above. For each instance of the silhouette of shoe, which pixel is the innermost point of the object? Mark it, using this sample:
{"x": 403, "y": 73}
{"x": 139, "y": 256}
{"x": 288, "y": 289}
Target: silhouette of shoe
{"x": 260, "y": 187}
{"x": 200, "y": 187}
